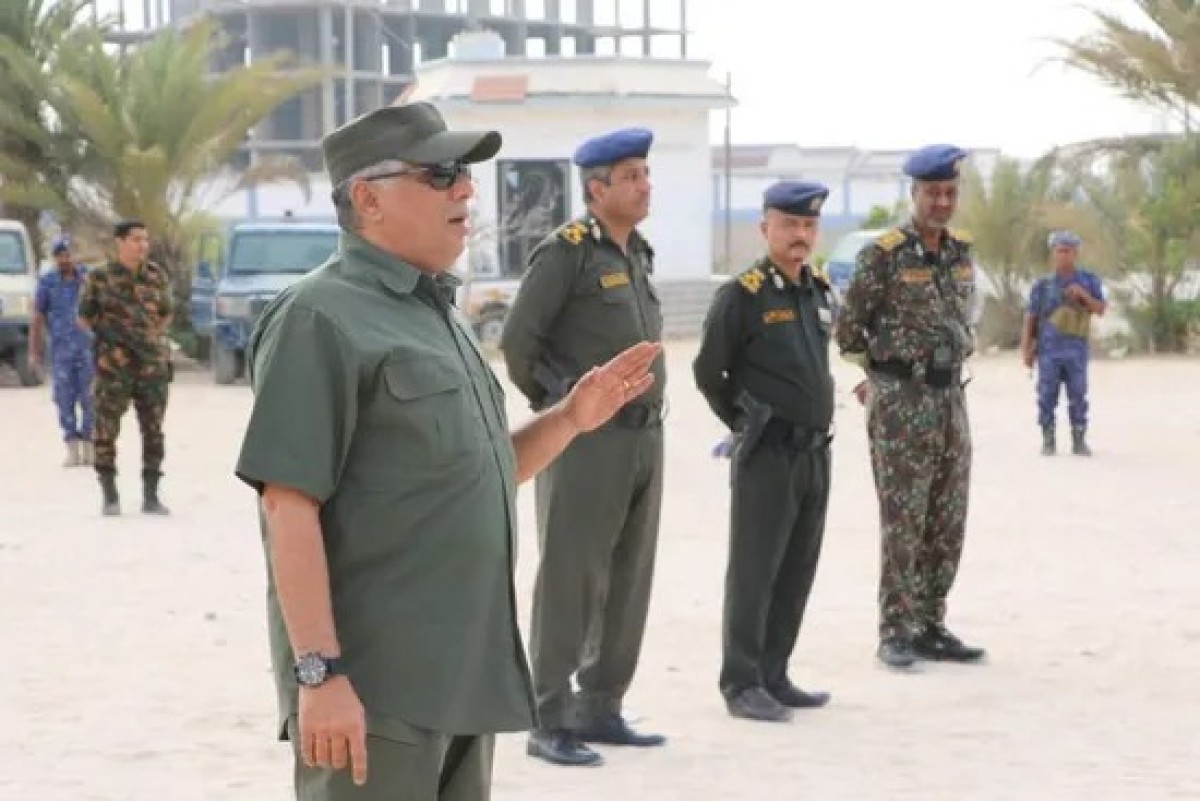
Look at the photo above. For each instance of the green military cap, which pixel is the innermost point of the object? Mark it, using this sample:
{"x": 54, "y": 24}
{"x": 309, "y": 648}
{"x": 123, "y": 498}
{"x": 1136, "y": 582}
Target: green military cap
{"x": 414, "y": 133}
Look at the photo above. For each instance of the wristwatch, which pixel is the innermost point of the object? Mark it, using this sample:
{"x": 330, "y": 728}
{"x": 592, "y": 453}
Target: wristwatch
{"x": 313, "y": 669}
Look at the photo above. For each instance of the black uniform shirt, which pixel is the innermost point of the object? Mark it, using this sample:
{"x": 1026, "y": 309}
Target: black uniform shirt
{"x": 769, "y": 336}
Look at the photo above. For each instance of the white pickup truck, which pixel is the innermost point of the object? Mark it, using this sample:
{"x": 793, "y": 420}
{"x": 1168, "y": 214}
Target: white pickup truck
{"x": 18, "y": 285}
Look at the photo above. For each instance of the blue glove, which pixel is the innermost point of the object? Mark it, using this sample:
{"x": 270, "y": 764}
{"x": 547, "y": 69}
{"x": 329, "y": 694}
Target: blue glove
{"x": 725, "y": 448}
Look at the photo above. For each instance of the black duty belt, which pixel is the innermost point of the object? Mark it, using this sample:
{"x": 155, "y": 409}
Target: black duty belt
{"x": 639, "y": 415}
{"x": 796, "y": 437}
{"x": 906, "y": 371}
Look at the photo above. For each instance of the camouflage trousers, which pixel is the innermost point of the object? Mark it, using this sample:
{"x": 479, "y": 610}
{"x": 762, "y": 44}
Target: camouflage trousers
{"x": 920, "y": 443}
{"x": 147, "y": 387}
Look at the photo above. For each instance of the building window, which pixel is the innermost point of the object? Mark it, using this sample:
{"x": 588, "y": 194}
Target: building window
{"x": 531, "y": 203}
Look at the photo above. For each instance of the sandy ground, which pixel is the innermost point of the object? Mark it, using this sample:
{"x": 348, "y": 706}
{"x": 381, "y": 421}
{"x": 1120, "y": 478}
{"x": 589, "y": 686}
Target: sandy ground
{"x": 134, "y": 663}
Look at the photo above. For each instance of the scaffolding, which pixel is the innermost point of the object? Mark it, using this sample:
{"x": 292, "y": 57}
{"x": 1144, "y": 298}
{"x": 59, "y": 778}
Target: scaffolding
{"x": 376, "y": 45}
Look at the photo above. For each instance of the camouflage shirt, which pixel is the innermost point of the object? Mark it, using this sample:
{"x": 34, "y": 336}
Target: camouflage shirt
{"x": 902, "y": 301}
{"x": 128, "y": 313}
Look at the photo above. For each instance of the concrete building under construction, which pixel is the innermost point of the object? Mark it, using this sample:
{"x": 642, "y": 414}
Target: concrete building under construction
{"x": 373, "y": 46}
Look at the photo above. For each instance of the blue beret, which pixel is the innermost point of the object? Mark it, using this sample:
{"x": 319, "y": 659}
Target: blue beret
{"x": 801, "y": 198}
{"x": 609, "y": 148}
{"x": 1060, "y": 238}
{"x": 935, "y": 163}
{"x": 60, "y": 244}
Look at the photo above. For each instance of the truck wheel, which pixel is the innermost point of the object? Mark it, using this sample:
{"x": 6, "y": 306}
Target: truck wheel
{"x": 28, "y": 376}
{"x": 227, "y": 364}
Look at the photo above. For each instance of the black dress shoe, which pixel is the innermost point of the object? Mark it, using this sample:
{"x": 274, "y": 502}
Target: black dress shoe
{"x": 792, "y": 696}
{"x": 613, "y": 730}
{"x": 938, "y": 644}
{"x": 896, "y": 652}
{"x": 561, "y": 747}
{"x": 755, "y": 703}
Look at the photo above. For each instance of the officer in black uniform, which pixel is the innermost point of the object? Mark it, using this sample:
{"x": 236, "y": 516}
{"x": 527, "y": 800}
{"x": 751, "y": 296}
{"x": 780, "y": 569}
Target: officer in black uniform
{"x": 763, "y": 365}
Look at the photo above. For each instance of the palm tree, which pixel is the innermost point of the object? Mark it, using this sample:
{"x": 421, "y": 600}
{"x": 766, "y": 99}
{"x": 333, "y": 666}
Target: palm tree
{"x": 1157, "y": 64}
{"x": 1146, "y": 193}
{"x": 1009, "y": 219}
{"x": 164, "y": 129}
{"x": 38, "y": 159}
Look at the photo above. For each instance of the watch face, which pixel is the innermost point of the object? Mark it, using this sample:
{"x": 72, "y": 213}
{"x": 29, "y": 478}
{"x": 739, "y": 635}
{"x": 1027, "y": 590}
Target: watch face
{"x": 310, "y": 670}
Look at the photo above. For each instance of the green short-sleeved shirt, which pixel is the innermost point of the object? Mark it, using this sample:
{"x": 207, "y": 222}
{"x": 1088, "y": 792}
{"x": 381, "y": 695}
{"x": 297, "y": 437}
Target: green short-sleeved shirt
{"x": 371, "y": 396}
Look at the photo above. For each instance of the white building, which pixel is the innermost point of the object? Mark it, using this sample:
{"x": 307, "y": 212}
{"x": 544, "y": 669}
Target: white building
{"x": 544, "y": 107}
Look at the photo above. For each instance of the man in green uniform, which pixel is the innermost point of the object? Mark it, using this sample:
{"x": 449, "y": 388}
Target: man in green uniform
{"x": 586, "y": 296}
{"x": 905, "y": 320}
{"x": 379, "y": 445}
{"x": 127, "y": 306}
{"x": 763, "y": 366}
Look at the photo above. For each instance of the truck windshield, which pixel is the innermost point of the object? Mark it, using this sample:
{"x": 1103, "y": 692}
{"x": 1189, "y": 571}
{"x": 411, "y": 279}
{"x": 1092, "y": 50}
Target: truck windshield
{"x": 280, "y": 251}
{"x": 12, "y": 254}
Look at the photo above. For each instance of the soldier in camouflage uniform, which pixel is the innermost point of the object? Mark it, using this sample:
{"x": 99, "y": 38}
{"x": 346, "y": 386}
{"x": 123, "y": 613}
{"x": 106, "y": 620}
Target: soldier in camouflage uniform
{"x": 905, "y": 321}
{"x": 127, "y": 306}
{"x": 1056, "y": 331}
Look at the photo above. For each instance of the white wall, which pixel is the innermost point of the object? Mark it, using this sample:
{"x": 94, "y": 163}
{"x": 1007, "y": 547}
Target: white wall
{"x": 680, "y": 222}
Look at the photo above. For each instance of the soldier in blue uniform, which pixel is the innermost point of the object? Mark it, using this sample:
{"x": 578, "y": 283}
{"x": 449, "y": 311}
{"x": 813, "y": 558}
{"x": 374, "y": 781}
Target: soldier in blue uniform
{"x": 55, "y": 307}
{"x": 1057, "y": 326}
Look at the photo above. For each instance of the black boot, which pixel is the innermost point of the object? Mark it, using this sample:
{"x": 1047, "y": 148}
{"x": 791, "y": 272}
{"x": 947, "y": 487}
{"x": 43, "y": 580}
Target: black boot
{"x": 1048, "y": 441}
{"x": 151, "y": 505}
{"x": 108, "y": 486}
{"x": 1079, "y": 445}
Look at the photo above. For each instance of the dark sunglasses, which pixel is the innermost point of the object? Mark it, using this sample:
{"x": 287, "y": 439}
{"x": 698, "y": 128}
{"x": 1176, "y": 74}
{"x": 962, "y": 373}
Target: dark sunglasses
{"x": 435, "y": 176}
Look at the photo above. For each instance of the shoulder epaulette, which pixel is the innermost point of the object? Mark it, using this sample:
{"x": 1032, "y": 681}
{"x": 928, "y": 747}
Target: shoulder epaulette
{"x": 573, "y": 232}
{"x": 752, "y": 279}
{"x": 962, "y": 235}
{"x": 890, "y": 240}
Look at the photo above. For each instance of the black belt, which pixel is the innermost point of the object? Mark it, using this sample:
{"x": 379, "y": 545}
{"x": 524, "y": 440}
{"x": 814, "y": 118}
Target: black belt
{"x": 797, "y": 437}
{"x": 939, "y": 378}
{"x": 639, "y": 415}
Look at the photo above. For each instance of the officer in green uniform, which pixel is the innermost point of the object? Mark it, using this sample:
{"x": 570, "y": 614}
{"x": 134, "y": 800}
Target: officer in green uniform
{"x": 586, "y": 296}
{"x": 763, "y": 366}
{"x": 379, "y": 445}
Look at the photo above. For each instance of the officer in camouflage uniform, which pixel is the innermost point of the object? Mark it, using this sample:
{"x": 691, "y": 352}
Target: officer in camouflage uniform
{"x": 587, "y": 296}
{"x": 55, "y": 307}
{"x": 1056, "y": 331}
{"x": 905, "y": 320}
{"x": 127, "y": 306}
{"x": 763, "y": 366}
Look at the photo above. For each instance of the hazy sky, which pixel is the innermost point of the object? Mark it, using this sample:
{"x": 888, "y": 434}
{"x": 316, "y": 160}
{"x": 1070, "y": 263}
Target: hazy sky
{"x": 897, "y": 73}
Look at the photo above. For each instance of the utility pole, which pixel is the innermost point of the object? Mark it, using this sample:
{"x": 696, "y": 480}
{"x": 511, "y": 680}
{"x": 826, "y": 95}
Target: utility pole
{"x": 349, "y": 87}
{"x": 728, "y": 172}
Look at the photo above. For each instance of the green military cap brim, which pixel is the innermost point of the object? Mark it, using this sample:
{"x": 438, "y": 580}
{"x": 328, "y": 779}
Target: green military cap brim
{"x": 414, "y": 133}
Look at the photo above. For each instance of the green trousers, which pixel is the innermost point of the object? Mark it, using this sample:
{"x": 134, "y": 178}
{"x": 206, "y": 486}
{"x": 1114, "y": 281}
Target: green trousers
{"x": 598, "y": 512}
{"x": 408, "y": 765}
{"x": 777, "y": 524}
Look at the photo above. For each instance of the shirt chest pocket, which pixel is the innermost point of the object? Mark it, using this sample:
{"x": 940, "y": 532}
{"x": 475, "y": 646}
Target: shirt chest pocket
{"x": 423, "y": 410}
